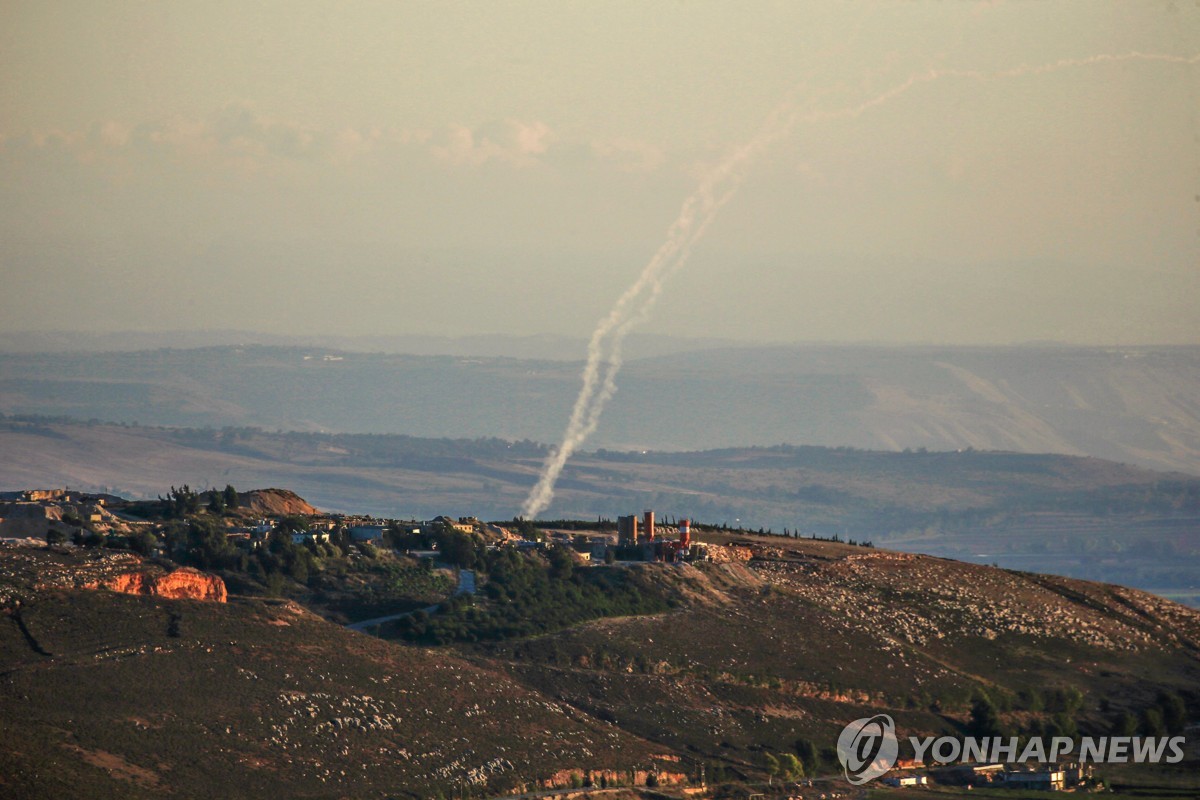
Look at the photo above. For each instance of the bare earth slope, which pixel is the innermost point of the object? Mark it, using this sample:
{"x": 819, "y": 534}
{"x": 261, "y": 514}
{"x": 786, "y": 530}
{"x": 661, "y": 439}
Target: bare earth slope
{"x": 274, "y": 502}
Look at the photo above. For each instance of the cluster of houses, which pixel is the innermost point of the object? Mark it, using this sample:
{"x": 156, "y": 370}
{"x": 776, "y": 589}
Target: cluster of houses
{"x": 1046, "y": 777}
{"x": 660, "y": 543}
{"x": 360, "y": 529}
{"x": 32, "y": 513}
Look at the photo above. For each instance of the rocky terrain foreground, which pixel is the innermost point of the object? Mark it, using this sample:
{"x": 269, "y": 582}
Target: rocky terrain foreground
{"x": 814, "y": 634}
{"x": 109, "y": 694}
{"x": 146, "y": 694}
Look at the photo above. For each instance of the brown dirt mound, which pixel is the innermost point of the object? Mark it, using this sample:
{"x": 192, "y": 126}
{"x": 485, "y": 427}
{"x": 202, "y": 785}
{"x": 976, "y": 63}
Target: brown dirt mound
{"x": 274, "y": 502}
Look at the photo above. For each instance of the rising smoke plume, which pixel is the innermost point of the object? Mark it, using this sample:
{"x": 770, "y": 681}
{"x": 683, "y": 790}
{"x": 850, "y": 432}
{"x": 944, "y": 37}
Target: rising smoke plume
{"x": 604, "y": 358}
{"x": 717, "y": 187}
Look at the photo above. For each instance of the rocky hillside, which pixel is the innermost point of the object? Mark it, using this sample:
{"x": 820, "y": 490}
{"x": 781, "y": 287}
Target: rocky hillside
{"x": 138, "y": 696}
{"x": 26, "y": 572}
{"x": 811, "y": 634}
{"x": 770, "y": 652}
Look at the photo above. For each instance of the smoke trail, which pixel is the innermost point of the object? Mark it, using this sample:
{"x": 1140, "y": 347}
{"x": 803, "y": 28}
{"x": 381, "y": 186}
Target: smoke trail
{"x": 717, "y": 187}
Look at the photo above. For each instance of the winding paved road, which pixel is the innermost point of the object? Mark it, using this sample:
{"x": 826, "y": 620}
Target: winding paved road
{"x": 466, "y": 585}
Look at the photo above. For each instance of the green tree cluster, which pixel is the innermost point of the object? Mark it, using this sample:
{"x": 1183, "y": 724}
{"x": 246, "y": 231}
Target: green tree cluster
{"x": 528, "y": 594}
{"x": 180, "y": 502}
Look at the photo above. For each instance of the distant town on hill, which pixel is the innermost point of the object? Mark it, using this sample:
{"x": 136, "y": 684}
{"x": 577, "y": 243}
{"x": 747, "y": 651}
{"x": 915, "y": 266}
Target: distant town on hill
{"x": 1081, "y": 517}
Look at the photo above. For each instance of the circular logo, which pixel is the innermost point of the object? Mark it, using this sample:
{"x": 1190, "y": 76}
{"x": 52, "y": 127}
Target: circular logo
{"x": 868, "y": 748}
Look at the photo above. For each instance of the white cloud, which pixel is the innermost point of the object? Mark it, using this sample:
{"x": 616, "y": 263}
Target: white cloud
{"x": 239, "y": 137}
{"x": 510, "y": 141}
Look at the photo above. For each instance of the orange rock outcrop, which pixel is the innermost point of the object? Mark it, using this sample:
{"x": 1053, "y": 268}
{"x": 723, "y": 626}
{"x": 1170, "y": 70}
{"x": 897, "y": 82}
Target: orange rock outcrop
{"x": 180, "y": 584}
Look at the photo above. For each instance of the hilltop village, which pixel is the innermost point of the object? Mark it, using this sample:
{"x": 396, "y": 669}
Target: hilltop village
{"x": 249, "y": 520}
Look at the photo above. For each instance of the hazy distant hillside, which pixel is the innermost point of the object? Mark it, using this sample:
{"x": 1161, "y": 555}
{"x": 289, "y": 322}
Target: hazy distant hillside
{"x": 1136, "y": 406}
{"x": 545, "y": 346}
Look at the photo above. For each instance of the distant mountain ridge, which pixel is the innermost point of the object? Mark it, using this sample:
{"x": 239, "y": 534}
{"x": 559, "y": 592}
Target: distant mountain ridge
{"x": 1133, "y": 405}
{"x": 545, "y": 346}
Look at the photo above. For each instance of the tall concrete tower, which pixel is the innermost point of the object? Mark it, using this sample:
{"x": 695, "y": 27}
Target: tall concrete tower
{"x": 627, "y": 529}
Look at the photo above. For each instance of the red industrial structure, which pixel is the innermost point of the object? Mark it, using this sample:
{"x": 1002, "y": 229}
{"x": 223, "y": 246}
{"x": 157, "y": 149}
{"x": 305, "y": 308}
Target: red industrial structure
{"x": 651, "y": 544}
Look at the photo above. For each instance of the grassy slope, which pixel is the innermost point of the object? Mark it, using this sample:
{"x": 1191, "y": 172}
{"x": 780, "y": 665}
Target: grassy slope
{"x": 246, "y": 702}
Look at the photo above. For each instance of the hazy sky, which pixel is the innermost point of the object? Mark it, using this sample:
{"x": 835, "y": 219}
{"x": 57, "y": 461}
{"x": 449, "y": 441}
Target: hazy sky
{"x": 380, "y": 168}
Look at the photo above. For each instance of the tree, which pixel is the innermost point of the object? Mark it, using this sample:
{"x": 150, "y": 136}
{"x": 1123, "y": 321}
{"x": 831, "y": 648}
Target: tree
{"x": 1174, "y": 712}
{"x": 55, "y": 536}
{"x": 790, "y": 767}
{"x": 207, "y": 544}
{"x": 772, "y": 765}
{"x": 457, "y": 548}
{"x": 180, "y": 502}
{"x": 293, "y": 523}
{"x": 94, "y": 539}
{"x": 1152, "y": 722}
{"x": 230, "y": 496}
{"x": 807, "y": 751}
{"x": 1030, "y": 699}
{"x": 275, "y": 584}
{"x": 143, "y": 542}
{"x": 985, "y": 720}
{"x": 561, "y": 564}
{"x": 525, "y": 527}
